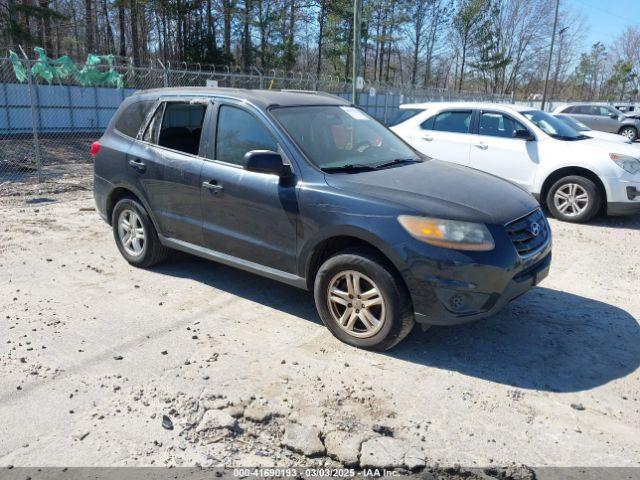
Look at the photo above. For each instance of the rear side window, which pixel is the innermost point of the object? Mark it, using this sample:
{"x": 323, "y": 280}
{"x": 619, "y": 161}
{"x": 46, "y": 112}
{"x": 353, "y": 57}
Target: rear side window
{"x": 455, "y": 121}
{"x": 583, "y": 110}
{"x": 132, "y": 117}
{"x": 240, "y": 132}
{"x": 181, "y": 126}
{"x": 403, "y": 115}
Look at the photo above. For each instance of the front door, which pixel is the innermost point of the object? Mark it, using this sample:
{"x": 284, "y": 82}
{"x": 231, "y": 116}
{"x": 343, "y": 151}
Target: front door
{"x": 495, "y": 150}
{"x": 248, "y": 215}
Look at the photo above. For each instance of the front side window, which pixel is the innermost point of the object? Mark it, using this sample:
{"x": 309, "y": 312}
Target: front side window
{"x": 496, "y": 124}
{"x": 334, "y": 136}
{"x": 240, "y": 132}
{"x": 132, "y": 117}
{"x": 455, "y": 121}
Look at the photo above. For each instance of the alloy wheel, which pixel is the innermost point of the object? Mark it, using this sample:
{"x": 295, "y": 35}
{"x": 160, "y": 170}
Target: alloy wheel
{"x": 131, "y": 232}
{"x": 356, "y": 304}
{"x": 571, "y": 199}
{"x": 629, "y": 133}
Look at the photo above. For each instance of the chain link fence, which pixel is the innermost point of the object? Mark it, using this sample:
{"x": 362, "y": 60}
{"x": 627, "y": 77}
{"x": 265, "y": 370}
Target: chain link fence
{"x": 46, "y": 129}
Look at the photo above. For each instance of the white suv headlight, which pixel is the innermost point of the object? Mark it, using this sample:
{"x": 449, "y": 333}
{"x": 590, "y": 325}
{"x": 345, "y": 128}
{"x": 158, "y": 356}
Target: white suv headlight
{"x": 626, "y": 162}
{"x": 448, "y": 233}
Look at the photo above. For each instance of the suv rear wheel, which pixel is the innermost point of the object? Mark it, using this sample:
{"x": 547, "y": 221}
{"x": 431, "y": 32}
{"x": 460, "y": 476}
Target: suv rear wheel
{"x": 135, "y": 235}
{"x": 362, "y": 301}
{"x": 574, "y": 199}
{"x": 629, "y": 132}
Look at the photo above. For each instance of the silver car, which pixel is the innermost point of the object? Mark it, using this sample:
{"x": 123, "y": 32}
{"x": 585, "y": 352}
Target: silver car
{"x": 602, "y": 117}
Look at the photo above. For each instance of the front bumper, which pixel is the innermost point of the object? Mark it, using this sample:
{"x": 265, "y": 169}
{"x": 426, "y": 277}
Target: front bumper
{"x": 438, "y": 314}
{"x": 449, "y": 287}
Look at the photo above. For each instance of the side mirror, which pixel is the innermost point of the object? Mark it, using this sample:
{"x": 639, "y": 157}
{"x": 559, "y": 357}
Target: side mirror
{"x": 523, "y": 135}
{"x": 613, "y": 115}
{"x": 266, "y": 161}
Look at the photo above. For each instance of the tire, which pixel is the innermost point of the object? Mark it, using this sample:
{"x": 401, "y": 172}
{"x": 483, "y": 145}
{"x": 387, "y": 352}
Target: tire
{"x": 395, "y": 309}
{"x": 630, "y": 132}
{"x": 582, "y": 188}
{"x": 150, "y": 252}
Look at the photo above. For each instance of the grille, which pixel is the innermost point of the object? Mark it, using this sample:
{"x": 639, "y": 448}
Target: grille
{"x": 529, "y": 234}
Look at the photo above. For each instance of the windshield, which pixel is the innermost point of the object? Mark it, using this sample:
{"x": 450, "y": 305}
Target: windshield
{"x": 573, "y": 123}
{"x": 552, "y": 126}
{"x": 339, "y": 136}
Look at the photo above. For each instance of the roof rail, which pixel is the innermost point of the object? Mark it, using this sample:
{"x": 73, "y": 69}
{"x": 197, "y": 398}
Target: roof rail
{"x": 311, "y": 92}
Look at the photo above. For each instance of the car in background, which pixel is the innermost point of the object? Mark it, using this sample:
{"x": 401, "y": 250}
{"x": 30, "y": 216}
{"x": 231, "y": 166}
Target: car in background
{"x": 604, "y": 118}
{"x": 629, "y": 109}
{"x": 582, "y": 128}
{"x": 575, "y": 176}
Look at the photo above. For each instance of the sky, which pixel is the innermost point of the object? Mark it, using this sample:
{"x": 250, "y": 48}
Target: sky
{"x": 606, "y": 18}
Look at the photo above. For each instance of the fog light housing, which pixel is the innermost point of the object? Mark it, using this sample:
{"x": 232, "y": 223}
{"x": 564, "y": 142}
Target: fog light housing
{"x": 461, "y": 302}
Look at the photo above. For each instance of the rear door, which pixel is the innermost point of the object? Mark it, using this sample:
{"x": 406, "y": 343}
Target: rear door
{"x": 249, "y": 215}
{"x": 167, "y": 157}
{"x": 586, "y": 114}
{"x": 494, "y": 150}
{"x": 445, "y": 136}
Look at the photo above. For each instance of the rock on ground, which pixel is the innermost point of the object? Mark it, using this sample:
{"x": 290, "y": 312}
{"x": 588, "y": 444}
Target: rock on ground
{"x": 389, "y": 452}
{"x": 303, "y": 439}
{"x": 344, "y": 447}
{"x": 263, "y": 411}
{"x": 215, "y": 420}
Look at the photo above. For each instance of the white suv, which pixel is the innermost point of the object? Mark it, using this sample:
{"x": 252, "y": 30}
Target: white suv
{"x": 574, "y": 175}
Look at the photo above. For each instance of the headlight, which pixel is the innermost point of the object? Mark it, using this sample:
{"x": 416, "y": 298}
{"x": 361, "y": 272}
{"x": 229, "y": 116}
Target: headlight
{"x": 626, "y": 162}
{"x": 448, "y": 233}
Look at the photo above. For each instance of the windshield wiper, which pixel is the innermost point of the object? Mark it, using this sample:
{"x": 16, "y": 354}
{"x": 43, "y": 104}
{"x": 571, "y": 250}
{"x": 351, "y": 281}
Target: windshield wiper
{"x": 349, "y": 167}
{"x": 397, "y": 161}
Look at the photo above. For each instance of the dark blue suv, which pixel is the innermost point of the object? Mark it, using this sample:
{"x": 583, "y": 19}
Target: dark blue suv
{"x": 306, "y": 189}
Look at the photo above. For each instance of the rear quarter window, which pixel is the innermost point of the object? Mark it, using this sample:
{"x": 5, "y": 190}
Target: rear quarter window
{"x": 131, "y": 118}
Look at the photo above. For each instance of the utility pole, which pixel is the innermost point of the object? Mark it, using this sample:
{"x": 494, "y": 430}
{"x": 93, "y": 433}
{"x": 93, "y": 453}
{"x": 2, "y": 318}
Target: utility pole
{"x": 555, "y": 74}
{"x": 357, "y": 6}
{"x": 553, "y": 37}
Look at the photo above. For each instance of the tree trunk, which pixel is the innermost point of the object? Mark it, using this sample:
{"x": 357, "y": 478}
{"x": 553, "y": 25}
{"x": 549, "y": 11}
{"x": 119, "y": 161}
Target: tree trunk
{"x": 246, "y": 48}
{"x": 111, "y": 44}
{"x": 122, "y": 26}
{"x": 323, "y": 12}
{"x": 135, "y": 38}
{"x": 88, "y": 26}
{"x": 227, "y": 12}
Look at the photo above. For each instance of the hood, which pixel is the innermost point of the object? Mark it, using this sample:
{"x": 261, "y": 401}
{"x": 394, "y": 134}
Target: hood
{"x": 608, "y": 137}
{"x": 600, "y": 146}
{"x": 442, "y": 190}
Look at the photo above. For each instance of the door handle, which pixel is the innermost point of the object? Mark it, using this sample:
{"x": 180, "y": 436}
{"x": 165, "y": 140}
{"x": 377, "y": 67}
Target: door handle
{"x": 427, "y": 138}
{"x": 213, "y": 186}
{"x": 482, "y": 146}
{"x": 138, "y": 164}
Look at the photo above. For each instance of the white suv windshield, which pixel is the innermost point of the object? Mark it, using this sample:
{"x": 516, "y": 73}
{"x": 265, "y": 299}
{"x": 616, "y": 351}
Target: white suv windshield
{"x": 335, "y": 137}
{"x": 552, "y": 126}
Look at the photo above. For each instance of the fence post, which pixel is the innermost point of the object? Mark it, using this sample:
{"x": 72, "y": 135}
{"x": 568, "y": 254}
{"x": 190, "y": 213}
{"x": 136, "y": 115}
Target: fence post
{"x": 165, "y": 77}
{"x": 34, "y": 117}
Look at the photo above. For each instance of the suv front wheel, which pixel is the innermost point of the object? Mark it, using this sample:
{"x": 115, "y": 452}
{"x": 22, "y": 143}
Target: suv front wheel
{"x": 362, "y": 300}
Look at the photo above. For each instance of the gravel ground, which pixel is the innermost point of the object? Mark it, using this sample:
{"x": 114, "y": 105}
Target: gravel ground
{"x": 195, "y": 363}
